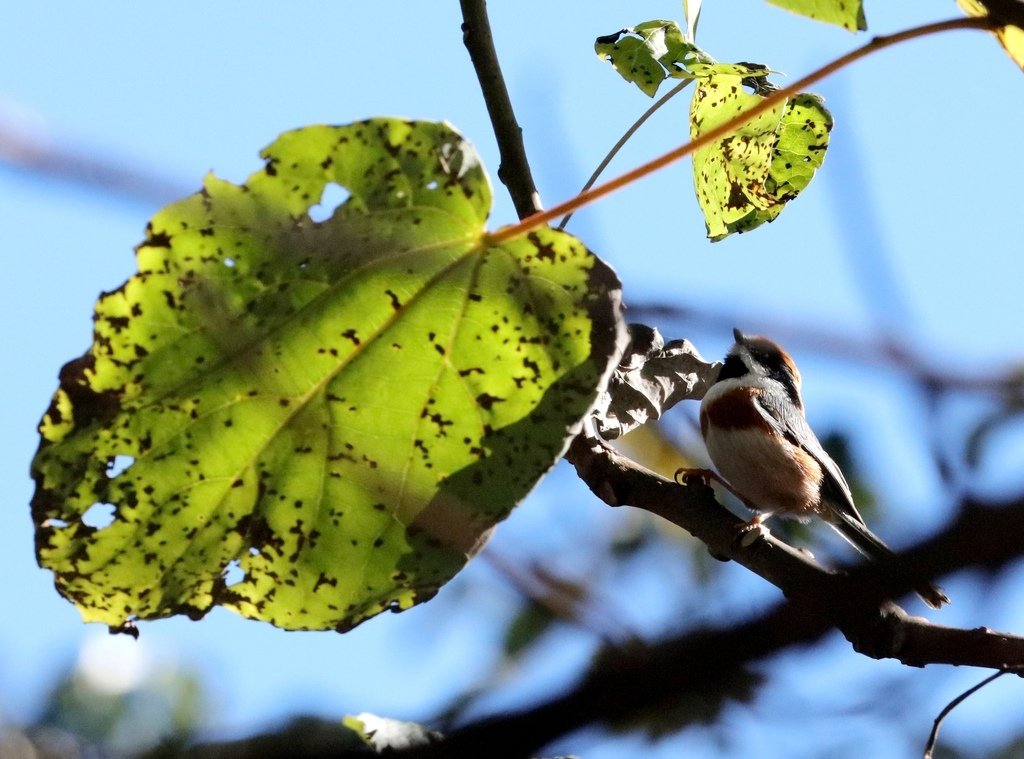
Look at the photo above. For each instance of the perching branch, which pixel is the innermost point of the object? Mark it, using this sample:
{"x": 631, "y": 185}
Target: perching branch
{"x": 514, "y": 171}
{"x": 701, "y": 664}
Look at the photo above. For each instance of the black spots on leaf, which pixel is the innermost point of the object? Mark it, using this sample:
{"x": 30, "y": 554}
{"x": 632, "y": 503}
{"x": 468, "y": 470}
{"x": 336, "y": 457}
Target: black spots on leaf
{"x": 471, "y": 370}
{"x": 157, "y": 239}
{"x": 533, "y": 366}
{"x": 326, "y": 163}
{"x": 238, "y": 483}
{"x": 87, "y": 405}
{"x": 322, "y": 580}
{"x": 396, "y": 304}
{"x": 172, "y": 302}
{"x": 737, "y": 197}
{"x": 545, "y": 250}
{"x": 438, "y": 420}
{"x": 271, "y": 167}
{"x": 350, "y": 334}
{"x": 117, "y": 323}
{"x": 378, "y": 542}
{"x": 486, "y": 401}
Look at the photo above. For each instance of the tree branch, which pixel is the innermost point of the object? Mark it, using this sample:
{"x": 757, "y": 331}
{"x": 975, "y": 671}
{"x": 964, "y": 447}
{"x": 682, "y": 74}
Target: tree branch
{"x": 514, "y": 171}
{"x": 627, "y": 683}
{"x": 856, "y": 600}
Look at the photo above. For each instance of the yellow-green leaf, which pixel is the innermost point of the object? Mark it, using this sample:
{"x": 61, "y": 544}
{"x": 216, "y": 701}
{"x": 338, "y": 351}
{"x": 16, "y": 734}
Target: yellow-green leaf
{"x": 745, "y": 178}
{"x": 848, "y": 14}
{"x": 311, "y": 419}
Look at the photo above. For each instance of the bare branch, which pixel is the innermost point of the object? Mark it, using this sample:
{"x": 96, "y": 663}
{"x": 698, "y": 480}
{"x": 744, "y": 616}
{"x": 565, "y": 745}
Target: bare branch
{"x": 929, "y": 748}
{"x": 26, "y": 147}
{"x": 514, "y": 171}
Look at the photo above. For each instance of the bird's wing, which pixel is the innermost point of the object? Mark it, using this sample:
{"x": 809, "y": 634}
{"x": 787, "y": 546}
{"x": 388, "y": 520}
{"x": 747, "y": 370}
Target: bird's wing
{"x": 791, "y": 424}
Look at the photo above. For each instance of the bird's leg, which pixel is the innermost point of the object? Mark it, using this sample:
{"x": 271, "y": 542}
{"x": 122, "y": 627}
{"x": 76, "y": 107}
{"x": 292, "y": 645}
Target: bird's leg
{"x": 748, "y": 532}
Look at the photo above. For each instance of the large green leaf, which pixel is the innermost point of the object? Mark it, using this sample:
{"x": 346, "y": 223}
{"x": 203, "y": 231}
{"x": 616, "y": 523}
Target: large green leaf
{"x": 309, "y": 422}
{"x": 745, "y": 178}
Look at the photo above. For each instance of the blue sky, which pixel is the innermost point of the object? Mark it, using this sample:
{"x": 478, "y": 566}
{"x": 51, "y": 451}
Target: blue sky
{"x": 912, "y": 225}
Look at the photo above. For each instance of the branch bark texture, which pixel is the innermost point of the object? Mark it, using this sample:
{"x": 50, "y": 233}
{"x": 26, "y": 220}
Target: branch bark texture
{"x": 514, "y": 171}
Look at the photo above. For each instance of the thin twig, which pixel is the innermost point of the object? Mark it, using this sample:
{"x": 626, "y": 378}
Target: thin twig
{"x": 624, "y": 139}
{"x": 780, "y": 96}
{"x": 514, "y": 171}
{"x": 929, "y": 748}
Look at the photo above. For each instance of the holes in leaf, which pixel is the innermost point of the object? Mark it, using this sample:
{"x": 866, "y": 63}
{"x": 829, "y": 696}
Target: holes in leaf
{"x": 118, "y": 464}
{"x": 99, "y": 515}
{"x": 254, "y": 551}
{"x": 59, "y": 524}
{"x": 233, "y": 573}
{"x": 432, "y": 184}
{"x": 229, "y": 262}
{"x": 333, "y": 196}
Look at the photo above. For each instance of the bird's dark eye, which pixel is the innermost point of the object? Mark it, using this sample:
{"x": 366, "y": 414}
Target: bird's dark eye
{"x": 732, "y": 368}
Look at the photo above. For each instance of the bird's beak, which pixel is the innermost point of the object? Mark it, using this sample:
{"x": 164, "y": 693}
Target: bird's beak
{"x": 738, "y": 336}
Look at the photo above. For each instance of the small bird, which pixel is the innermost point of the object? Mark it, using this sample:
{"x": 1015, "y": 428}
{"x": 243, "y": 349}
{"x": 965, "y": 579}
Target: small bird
{"x": 753, "y": 423}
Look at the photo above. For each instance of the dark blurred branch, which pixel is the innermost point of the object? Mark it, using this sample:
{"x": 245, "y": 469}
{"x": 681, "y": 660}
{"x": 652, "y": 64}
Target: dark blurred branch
{"x": 514, "y": 170}
{"x": 897, "y": 357}
{"x": 25, "y": 147}
{"x": 627, "y": 683}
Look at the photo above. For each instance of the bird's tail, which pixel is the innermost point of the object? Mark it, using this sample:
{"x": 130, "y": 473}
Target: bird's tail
{"x": 870, "y": 545}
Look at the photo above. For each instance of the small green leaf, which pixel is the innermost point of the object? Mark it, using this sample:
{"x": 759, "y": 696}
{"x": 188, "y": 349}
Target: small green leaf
{"x": 311, "y": 421}
{"x": 649, "y": 53}
{"x": 745, "y": 179}
{"x": 848, "y": 14}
